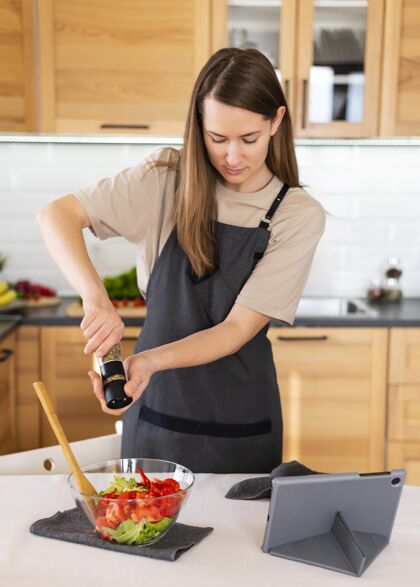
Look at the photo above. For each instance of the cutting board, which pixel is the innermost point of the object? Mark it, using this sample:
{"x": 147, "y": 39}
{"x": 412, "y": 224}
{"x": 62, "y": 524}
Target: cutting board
{"x": 43, "y": 302}
{"x": 75, "y": 310}
{"x": 14, "y": 306}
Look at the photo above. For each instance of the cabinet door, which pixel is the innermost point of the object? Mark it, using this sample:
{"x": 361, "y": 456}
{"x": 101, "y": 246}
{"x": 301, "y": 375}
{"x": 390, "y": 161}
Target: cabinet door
{"x": 405, "y": 455}
{"x": 64, "y": 372}
{"x": 400, "y": 96}
{"x": 333, "y": 388}
{"x": 28, "y": 365}
{"x": 17, "y": 66}
{"x": 339, "y": 48}
{"x": 7, "y": 395}
{"x": 266, "y": 26}
{"x": 404, "y": 365}
{"x": 125, "y": 66}
{"x": 404, "y": 412}
{"x": 404, "y": 402}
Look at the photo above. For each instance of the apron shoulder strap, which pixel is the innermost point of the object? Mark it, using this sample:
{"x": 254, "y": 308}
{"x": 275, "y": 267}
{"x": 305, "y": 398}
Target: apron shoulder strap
{"x": 266, "y": 220}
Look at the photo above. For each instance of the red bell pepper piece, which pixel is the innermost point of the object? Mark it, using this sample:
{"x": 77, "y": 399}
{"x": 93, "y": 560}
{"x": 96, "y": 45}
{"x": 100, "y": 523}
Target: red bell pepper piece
{"x": 111, "y": 494}
{"x": 146, "y": 480}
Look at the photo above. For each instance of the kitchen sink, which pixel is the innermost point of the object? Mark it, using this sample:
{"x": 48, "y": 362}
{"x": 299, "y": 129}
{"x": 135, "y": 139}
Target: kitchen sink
{"x": 334, "y": 307}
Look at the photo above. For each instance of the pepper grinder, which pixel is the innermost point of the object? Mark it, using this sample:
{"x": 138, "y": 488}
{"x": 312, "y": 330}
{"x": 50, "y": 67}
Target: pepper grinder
{"x": 393, "y": 274}
{"x": 114, "y": 379}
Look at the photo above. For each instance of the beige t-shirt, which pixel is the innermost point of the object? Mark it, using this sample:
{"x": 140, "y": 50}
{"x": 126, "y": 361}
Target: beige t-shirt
{"x": 139, "y": 207}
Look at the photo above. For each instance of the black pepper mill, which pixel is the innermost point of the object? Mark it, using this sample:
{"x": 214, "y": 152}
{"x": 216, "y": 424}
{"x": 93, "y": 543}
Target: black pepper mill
{"x": 113, "y": 378}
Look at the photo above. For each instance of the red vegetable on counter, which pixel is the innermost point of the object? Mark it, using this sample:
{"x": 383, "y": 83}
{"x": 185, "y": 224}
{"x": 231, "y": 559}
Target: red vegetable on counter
{"x": 30, "y": 291}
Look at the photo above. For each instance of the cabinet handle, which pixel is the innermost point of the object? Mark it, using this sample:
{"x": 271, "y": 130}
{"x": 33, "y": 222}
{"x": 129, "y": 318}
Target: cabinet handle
{"x": 304, "y": 101}
{"x": 114, "y": 125}
{"x": 300, "y": 338}
{"x": 5, "y": 354}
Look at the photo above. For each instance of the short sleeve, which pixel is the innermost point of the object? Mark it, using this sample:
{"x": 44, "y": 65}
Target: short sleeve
{"x": 122, "y": 205}
{"x": 275, "y": 286}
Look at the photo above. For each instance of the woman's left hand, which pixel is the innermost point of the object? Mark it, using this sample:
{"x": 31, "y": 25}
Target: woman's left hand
{"x": 138, "y": 369}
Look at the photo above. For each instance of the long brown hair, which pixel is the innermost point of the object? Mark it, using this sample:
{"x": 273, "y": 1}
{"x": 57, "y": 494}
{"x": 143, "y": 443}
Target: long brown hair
{"x": 246, "y": 79}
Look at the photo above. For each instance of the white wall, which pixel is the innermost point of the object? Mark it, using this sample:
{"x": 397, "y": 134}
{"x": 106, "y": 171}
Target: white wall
{"x": 371, "y": 192}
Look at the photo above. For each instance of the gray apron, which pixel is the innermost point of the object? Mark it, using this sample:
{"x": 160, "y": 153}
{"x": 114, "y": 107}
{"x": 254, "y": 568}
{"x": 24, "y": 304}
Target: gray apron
{"x": 225, "y": 416}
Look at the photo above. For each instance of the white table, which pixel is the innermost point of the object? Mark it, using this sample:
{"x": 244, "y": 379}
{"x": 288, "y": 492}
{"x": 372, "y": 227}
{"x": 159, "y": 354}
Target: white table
{"x": 230, "y": 556}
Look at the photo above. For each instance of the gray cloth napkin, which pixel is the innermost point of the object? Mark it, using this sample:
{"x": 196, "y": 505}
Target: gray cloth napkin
{"x": 72, "y": 526}
{"x": 260, "y": 487}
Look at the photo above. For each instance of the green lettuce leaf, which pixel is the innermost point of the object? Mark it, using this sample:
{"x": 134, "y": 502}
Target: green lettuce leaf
{"x": 122, "y": 484}
{"x": 130, "y": 532}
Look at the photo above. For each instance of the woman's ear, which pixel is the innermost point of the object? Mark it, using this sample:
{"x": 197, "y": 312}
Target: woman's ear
{"x": 275, "y": 123}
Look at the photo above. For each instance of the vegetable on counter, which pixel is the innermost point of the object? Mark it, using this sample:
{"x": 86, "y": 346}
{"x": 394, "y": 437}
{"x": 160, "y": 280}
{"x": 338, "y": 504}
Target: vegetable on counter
{"x": 27, "y": 290}
{"x": 129, "y": 512}
{"x": 123, "y": 290}
{"x": 124, "y": 287}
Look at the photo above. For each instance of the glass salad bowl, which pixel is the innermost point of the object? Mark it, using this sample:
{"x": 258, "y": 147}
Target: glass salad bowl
{"x": 138, "y": 500}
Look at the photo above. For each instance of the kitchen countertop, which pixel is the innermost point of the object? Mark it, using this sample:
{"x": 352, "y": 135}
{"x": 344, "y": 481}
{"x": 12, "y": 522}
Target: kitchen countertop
{"x": 403, "y": 314}
{"x": 231, "y": 555}
{"x": 7, "y": 324}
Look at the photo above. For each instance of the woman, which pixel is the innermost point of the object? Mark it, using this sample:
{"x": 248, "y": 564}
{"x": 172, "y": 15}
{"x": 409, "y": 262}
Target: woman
{"x": 225, "y": 237}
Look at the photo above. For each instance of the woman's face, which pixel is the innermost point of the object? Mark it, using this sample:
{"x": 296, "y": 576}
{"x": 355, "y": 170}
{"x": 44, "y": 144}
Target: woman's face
{"x": 237, "y": 143}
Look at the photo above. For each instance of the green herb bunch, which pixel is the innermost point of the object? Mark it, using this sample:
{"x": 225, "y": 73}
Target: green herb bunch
{"x": 123, "y": 285}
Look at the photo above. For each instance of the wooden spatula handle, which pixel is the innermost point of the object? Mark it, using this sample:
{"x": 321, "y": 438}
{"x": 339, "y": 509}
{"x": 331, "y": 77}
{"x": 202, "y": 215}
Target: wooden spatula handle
{"x": 49, "y": 410}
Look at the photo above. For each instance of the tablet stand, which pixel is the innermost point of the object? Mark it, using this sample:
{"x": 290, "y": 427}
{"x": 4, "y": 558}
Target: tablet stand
{"x": 340, "y": 549}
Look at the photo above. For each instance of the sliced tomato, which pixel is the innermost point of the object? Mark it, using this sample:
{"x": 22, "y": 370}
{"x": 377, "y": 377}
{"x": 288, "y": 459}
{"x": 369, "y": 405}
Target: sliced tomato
{"x": 131, "y": 495}
{"x": 165, "y": 487}
{"x": 154, "y": 514}
{"x": 101, "y": 521}
{"x": 170, "y": 506}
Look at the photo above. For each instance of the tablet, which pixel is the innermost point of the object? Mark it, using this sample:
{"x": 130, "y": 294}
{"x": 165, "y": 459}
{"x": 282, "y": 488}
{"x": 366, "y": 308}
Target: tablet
{"x": 337, "y": 521}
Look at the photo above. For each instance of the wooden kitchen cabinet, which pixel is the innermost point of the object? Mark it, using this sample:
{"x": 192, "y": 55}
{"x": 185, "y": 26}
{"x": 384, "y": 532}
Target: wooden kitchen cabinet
{"x": 64, "y": 369}
{"x": 403, "y": 438}
{"x": 328, "y": 56}
{"x": 17, "y": 66}
{"x": 93, "y": 66}
{"x": 268, "y": 26}
{"x": 400, "y": 94}
{"x": 404, "y": 412}
{"x": 125, "y": 66}
{"x": 404, "y": 365}
{"x": 7, "y": 395}
{"x": 405, "y": 455}
{"x": 339, "y": 49}
{"x": 28, "y": 370}
{"x": 333, "y": 391}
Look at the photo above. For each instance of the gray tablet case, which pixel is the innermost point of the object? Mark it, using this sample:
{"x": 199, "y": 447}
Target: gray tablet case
{"x": 336, "y": 521}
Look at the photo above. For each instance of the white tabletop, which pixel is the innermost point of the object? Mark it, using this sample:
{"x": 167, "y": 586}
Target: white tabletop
{"x": 231, "y": 555}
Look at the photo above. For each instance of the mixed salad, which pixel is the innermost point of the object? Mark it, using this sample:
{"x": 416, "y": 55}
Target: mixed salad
{"x": 129, "y": 512}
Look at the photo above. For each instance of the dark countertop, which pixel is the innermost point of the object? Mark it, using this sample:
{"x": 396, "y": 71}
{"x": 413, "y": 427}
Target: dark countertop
{"x": 7, "y": 324}
{"x": 389, "y": 314}
{"x": 404, "y": 314}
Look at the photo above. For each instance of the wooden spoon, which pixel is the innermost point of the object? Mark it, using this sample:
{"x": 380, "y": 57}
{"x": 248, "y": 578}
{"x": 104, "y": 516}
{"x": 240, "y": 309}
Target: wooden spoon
{"x": 84, "y": 484}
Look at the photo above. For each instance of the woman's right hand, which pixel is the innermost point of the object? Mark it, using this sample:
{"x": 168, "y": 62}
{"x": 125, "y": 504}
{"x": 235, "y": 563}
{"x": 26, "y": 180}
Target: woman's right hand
{"x": 139, "y": 368}
{"x": 101, "y": 325}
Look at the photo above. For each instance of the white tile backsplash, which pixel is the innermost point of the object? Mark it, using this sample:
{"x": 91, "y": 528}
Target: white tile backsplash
{"x": 372, "y": 194}
{"x": 386, "y": 206}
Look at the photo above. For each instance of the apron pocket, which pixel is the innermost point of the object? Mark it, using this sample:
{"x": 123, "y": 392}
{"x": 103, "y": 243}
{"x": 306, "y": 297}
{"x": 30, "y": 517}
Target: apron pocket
{"x": 204, "y": 428}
